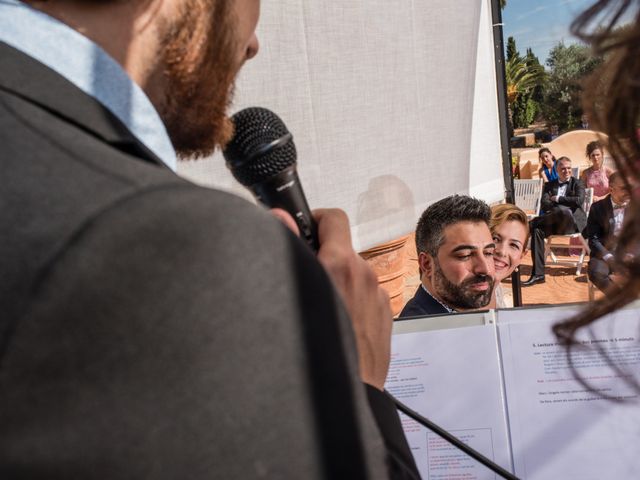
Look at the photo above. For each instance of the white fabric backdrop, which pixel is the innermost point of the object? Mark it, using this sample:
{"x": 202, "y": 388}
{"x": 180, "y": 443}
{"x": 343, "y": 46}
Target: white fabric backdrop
{"x": 392, "y": 105}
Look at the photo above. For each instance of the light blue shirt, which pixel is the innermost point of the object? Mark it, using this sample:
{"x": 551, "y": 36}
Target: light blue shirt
{"x": 88, "y": 67}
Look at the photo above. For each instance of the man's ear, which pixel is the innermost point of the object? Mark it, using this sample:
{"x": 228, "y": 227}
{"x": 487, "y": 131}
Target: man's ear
{"x": 425, "y": 263}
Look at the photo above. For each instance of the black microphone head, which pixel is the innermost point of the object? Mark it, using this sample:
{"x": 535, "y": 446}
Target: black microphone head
{"x": 261, "y": 146}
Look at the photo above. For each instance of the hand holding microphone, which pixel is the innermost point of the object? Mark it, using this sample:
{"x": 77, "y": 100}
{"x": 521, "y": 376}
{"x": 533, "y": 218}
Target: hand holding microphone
{"x": 366, "y": 302}
{"x": 262, "y": 157}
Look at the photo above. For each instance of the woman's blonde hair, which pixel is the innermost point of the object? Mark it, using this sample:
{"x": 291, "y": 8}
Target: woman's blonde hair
{"x": 507, "y": 212}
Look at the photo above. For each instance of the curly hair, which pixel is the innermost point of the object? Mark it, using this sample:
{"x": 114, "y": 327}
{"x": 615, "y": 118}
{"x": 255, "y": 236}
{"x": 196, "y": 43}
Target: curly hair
{"x": 592, "y": 147}
{"x": 612, "y": 101}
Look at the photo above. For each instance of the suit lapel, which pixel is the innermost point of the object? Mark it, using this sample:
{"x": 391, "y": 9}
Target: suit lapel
{"x": 552, "y": 187}
{"x": 428, "y": 303}
{"x": 27, "y": 78}
{"x": 607, "y": 210}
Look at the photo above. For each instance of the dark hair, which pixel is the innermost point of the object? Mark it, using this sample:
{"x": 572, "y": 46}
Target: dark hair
{"x": 612, "y": 101}
{"x": 545, "y": 149}
{"x": 445, "y": 212}
{"x": 593, "y": 146}
{"x": 615, "y": 176}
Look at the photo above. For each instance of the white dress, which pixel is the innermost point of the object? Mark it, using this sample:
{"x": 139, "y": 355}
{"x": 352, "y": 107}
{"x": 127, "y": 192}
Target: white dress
{"x": 500, "y": 300}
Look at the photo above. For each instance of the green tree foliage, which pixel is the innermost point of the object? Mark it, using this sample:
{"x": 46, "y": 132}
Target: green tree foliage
{"x": 568, "y": 68}
{"x": 532, "y": 61}
{"x": 524, "y": 111}
{"x": 527, "y": 104}
{"x": 524, "y": 77}
{"x": 512, "y": 50}
{"x": 521, "y": 78}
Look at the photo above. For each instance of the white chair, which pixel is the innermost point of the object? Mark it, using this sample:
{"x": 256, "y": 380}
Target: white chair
{"x": 527, "y": 194}
{"x": 551, "y": 240}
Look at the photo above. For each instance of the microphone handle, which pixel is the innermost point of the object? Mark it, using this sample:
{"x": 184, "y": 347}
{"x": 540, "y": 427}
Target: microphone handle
{"x": 284, "y": 190}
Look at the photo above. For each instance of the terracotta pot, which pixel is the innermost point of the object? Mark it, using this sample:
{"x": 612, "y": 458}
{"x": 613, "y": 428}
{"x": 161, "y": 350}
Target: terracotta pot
{"x": 388, "y": 261}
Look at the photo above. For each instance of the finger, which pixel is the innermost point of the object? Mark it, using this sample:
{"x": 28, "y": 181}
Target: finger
{"x": 336, "y": 253}
{"x": 333, "y": 226}
{"x": 286, "y": 219}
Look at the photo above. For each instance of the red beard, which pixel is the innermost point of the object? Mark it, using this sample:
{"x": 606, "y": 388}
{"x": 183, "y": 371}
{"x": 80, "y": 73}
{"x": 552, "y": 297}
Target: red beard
{"x": 199, "y": 52}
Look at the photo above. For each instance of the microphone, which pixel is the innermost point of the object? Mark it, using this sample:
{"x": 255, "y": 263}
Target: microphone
{"x": 262, "y": 157}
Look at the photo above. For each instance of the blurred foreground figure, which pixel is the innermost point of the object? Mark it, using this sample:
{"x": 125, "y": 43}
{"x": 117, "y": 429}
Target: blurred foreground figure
{"x": 152, "y": 328}
{"x": 613, "y": 104}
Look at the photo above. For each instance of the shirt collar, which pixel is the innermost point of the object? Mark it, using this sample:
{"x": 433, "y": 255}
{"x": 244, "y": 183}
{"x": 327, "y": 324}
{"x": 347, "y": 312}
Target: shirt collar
{"x": 444, "y": 305}
{"x": 614, "y": 205}
{"x": 89, "y": 68}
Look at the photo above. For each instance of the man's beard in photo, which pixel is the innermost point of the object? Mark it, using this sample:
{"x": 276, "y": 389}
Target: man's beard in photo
{"x": 199, "y": 51}
{"x": 462, "y": 296}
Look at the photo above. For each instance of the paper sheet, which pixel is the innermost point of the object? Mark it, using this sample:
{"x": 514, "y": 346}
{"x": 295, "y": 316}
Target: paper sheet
{"x": 453, "y": 378}
{"x": 560, "y": 429}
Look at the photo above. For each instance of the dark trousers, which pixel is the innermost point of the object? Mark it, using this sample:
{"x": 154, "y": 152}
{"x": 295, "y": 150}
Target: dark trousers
{"x": 557, "y": 221}
{"x": 599, "y": 271}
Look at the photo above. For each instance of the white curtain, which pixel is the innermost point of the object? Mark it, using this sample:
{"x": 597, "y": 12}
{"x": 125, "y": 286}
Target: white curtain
{"x": 392, "y": 105}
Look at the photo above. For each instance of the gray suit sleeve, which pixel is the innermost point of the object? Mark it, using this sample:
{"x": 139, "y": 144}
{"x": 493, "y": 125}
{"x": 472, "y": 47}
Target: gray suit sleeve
{"x": 185, "y": 334}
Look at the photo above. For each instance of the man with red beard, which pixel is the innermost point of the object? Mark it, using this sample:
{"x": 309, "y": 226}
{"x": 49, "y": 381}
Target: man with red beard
{"x": 152, "y": 328}
{"x": 455, "y": 257}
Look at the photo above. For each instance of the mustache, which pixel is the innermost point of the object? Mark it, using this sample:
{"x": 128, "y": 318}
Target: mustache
{"x": 478, "y": 279}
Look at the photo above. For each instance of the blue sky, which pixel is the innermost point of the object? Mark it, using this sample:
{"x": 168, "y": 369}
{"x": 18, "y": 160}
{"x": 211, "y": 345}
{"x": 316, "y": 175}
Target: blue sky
{"x": 540, "y": 24}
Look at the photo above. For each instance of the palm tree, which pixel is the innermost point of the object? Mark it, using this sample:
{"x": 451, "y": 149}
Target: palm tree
{"x": 520, "y": 77}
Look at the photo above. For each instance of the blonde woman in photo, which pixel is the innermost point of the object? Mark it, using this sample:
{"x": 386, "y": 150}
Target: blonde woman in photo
{"x": 510, "y": 231}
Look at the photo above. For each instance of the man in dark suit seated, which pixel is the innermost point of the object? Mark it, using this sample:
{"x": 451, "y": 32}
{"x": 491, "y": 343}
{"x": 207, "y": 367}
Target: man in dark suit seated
{"x": 603, "y": 225}
{"x": 455, "y": 257}
{"x": 562, "y": 201}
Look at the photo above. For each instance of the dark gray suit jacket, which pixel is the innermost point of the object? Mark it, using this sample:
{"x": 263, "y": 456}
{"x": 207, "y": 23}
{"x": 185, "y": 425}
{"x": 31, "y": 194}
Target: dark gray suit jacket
{"x": 573, "y": 199}
{"x": 422, "y": 304}
{"x": 154, "y": 329}
{"x": 600, "y": 227}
